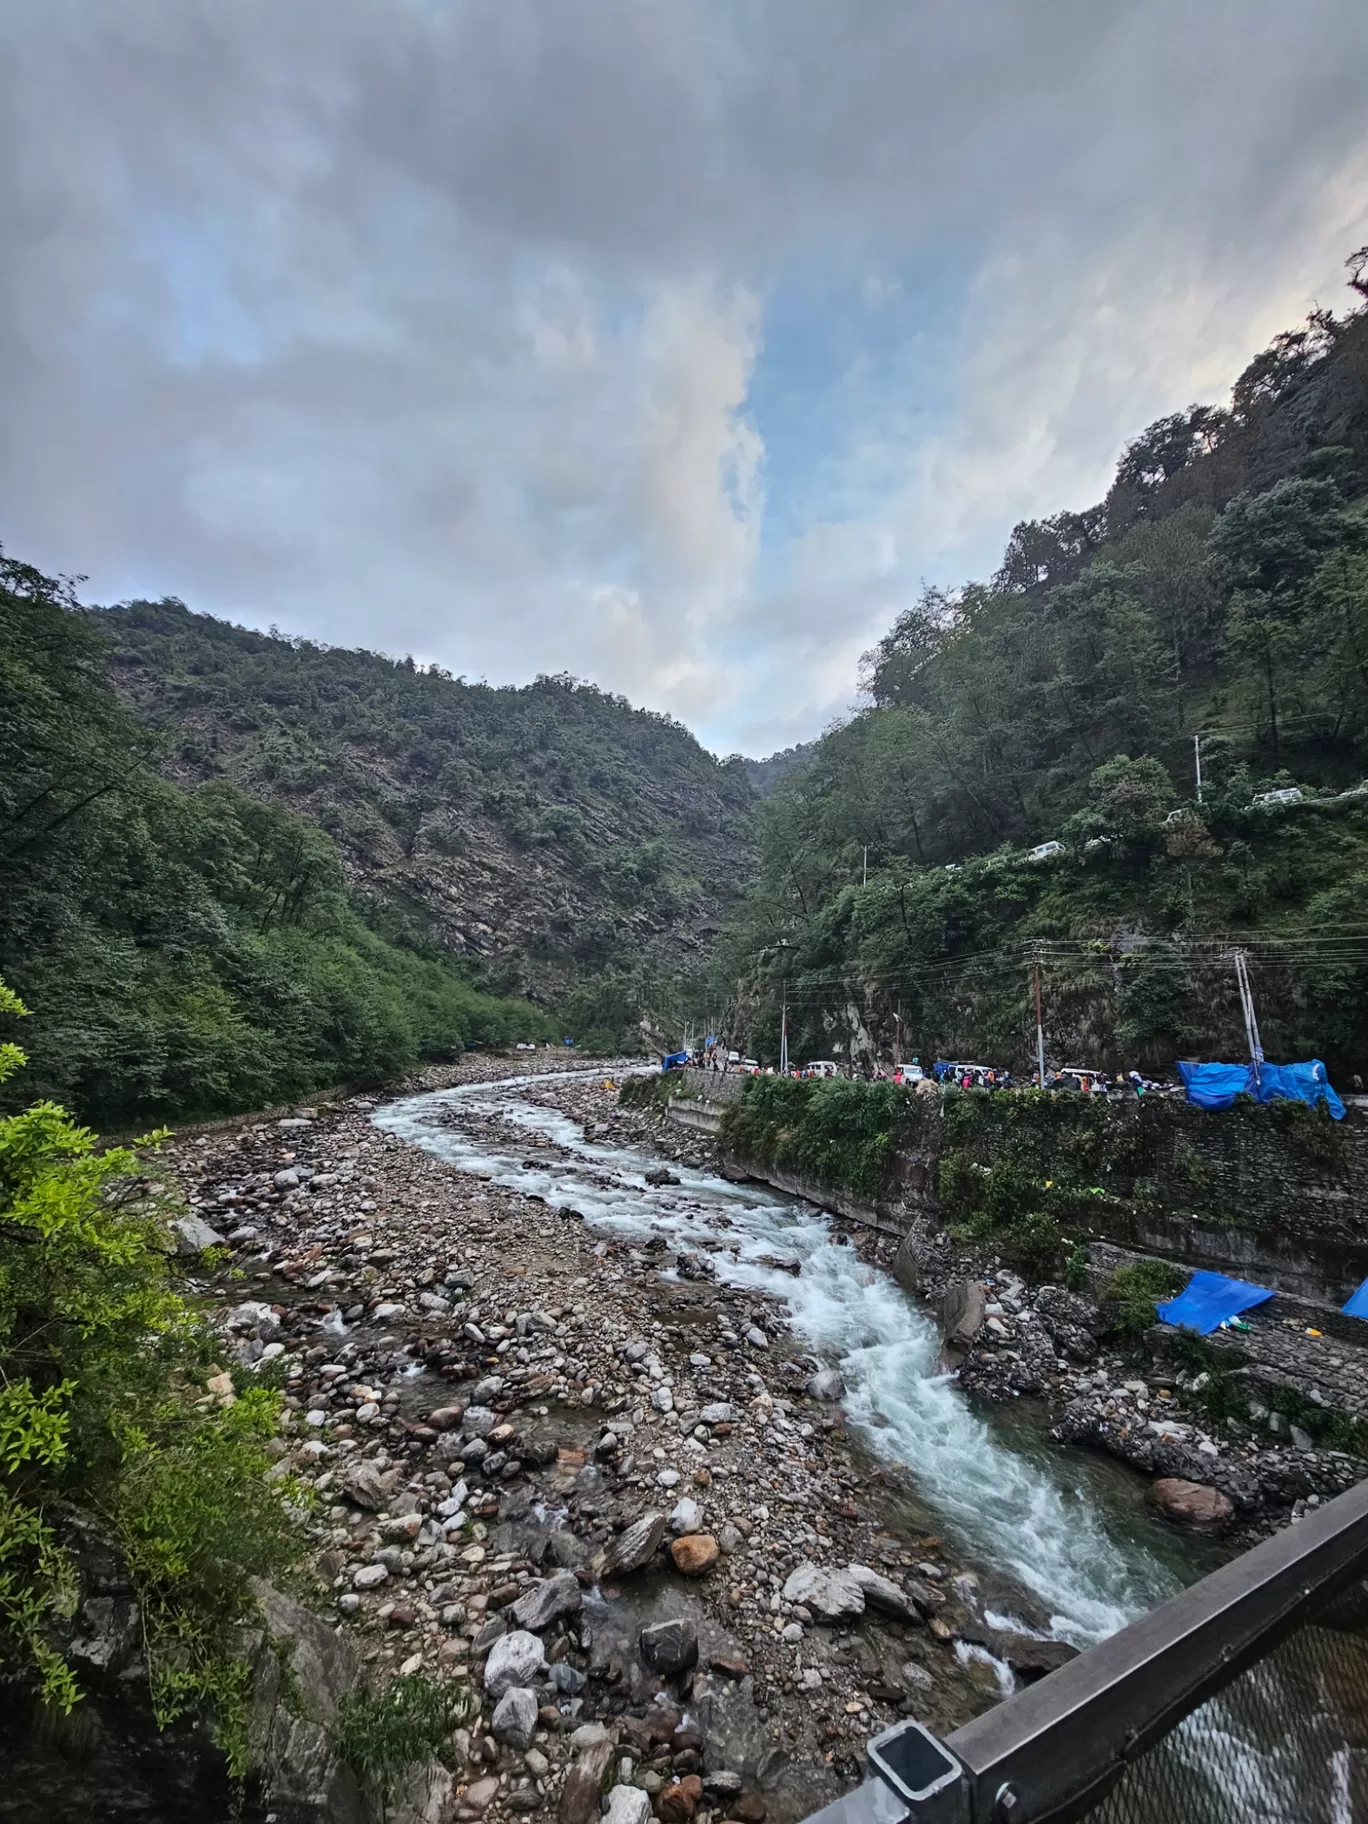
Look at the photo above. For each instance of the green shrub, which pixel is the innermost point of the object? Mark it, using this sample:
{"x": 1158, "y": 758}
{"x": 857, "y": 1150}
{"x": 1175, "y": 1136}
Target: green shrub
{"x": 100, "y": 1409}
{"x": 384, "y": 1733}
{"x": 1134, "y": 1290}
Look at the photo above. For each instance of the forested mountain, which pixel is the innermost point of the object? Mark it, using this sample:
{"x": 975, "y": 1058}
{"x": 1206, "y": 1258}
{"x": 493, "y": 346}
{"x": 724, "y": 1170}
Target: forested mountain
{"x": 186, "y": 950}
{"x": 1220, "y": 590}
{"x": 579, "y": 850}
{"x": 765, "y": 774}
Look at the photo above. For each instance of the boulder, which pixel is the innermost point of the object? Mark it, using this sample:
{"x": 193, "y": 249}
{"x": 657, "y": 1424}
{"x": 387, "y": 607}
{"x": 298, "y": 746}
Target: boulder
{"x": 832, "y": 1596}
{"x": 479, "y": 1421}
{"x": 694, "y": 1554}
{"x": 670, "y": 1647}
{"x": 686, "y": 1517}
{"x": 579, "y": 1799}
{"x": 718, "y": 1413}
{"x": 909, "y": 1263}
{"x": 635, "y": 1546}
{"x": 542, "y": 1603}
{"x": 827, "y": 1385}
{"x": 881, "y": 1592}
{"x": 961, "y": 1311}
{"x": 628, "y": 1805}
{"x": 303, "y": 1773}
{"x": 193, "y": 1235}
{"x": 515, "y": 1717}
{"x": 515, "y": 1659}
{"x": 1191, "y": 1504}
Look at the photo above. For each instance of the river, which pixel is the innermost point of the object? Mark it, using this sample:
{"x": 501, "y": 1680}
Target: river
{"x": 1069, "y": 1531}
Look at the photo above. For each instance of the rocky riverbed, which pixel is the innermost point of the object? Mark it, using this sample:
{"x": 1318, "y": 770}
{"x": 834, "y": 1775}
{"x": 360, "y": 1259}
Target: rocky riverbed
{"x": 608, "y": 1492}
{"x": 619, "y": 1504}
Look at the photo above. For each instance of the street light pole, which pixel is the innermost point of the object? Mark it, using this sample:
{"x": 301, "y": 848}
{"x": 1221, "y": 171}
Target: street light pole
{"x": 1040, "y": 1025}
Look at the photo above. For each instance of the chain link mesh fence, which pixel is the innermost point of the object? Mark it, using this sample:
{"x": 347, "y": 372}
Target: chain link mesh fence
{"x": 1284, "y": 1743}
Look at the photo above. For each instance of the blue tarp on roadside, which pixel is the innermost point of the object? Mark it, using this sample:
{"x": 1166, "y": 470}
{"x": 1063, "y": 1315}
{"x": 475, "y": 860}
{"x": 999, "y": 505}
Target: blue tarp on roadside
{"x": 1217, "y": 1085}
{"x": 1358, "y": 1304}
{"x": 1214, "y": 1085}
{"x": 676, "y": 1061}
{"x": 1208, "y": 1300}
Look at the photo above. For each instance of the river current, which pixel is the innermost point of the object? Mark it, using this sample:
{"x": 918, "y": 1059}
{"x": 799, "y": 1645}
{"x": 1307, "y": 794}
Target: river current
{"x": 1065, "y": 1527}
{"x": 1006, "y": 1501}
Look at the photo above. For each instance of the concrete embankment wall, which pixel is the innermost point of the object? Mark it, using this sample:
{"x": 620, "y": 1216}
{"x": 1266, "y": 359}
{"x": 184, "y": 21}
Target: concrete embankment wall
{"x": 1273, "y": 1194}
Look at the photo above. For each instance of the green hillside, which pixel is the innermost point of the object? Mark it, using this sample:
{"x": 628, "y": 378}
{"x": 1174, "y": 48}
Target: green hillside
{"x": 1220, "y": 590}
{"x": 581, "y": 851}
{"x": 186, "y": 951}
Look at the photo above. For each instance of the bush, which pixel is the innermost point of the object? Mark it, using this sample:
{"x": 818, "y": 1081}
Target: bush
{"x": 1133, "y": 1291}
{"x": 100, "y": 1410}
{"x": 382, "y": 1734}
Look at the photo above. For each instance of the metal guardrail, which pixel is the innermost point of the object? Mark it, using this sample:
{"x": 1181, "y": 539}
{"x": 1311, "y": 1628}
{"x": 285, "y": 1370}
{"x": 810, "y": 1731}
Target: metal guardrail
{"x": 1241, "y": 1697}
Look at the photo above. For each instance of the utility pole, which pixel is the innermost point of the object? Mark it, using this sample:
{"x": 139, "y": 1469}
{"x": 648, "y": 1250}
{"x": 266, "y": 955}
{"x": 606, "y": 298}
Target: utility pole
{"x": 1040, "y": 1025}
{"x": 783, "y": 1035}
{"x": 897, "y": 1036}
{"x": 1197, "y": 756}
{"x": 864, "y": 872}
{"x": 1251, "y": 1022}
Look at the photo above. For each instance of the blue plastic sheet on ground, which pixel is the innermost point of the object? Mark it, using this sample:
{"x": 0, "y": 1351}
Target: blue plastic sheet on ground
{"x": 1208, "y": 1300}
{"x": 1217, "y": 1085}
{"x": 1358, "y": 1304}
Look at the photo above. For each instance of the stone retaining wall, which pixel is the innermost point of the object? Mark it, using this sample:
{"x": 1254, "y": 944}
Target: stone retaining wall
{"x": 1266, "y": 1194}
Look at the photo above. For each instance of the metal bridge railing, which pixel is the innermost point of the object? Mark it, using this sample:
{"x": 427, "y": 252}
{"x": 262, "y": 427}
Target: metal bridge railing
{"x": 1244, "y": 1697}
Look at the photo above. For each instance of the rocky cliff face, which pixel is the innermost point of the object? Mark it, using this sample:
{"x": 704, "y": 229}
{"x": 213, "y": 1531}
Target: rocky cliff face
{"x": 552, "y": 832}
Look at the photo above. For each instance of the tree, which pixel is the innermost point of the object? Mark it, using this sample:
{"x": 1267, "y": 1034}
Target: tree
{"x": 1041, "y": 551}
{"x": 1127, "y": 802}
{"x": 1273, "y": 542}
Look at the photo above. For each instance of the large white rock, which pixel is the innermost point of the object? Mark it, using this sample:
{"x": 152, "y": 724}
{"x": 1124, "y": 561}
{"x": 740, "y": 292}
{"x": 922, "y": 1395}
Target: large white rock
{"x": 628, "y": 1805}
{"x": 832, "y": 1596}
{"x": 880, "y": 1591}
{"x": 515, "y": 1659}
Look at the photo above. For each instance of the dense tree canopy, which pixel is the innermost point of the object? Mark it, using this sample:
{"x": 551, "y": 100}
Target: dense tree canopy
{"x": 185, "y": 950}
{"x": 1220, "y": 591}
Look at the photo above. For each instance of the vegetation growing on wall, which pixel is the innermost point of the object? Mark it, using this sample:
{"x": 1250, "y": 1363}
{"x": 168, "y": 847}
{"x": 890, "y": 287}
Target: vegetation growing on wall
{"x": 841, "y": 1134}
{"x": 103, "y": 1411}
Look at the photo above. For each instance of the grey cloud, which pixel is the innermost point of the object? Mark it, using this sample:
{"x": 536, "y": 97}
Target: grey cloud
{"x": 431, "y": 326}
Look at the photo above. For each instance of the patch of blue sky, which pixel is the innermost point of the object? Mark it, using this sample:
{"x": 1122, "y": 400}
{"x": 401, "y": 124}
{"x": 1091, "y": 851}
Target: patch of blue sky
{"x": 853, "y": 372}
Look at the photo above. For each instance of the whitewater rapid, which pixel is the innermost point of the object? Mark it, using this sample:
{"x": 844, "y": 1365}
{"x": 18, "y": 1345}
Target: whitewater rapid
{"x": 1030, "y": 1518}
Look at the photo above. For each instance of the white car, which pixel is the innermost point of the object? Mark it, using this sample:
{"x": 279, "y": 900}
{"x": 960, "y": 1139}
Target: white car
{"x": 823, "y": 1067}
{"x": 1287, "y": 794}
{"x": 1045, "y": 851}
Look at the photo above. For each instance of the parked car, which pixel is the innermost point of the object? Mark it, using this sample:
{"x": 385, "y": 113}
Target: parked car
{"x": 1287, "y": 794}
{"x": 822, "y": 1067}
{"x": 1045, "y": 851}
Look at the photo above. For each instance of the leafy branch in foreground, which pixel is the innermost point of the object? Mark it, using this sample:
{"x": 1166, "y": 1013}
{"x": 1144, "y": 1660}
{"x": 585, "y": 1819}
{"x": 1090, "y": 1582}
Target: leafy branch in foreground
{"x": 100, "y": 1411}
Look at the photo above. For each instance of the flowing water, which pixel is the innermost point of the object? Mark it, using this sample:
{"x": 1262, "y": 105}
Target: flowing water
{"x": 1004, "y": 1499}
{"x": 1069, "y": 1529}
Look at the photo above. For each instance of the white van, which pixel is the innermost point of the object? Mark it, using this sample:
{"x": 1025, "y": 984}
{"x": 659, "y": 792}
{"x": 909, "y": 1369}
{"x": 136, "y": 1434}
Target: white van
{"x": 822, "y": 1067}
{"x": 1045, "y": 851}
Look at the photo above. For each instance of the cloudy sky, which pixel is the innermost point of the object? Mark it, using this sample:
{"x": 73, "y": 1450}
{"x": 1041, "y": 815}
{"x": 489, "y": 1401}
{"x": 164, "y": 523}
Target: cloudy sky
{"x": 672, "y": 343}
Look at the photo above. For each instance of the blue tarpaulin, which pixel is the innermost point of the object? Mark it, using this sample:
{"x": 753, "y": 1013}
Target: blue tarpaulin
{"x": 1217, "y": 1085}
{"x": 1358, "y": 1304}
{"x": 1208, "y": 1300}
{"x": 676, "y": 1061}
